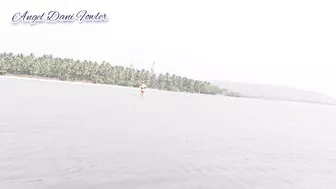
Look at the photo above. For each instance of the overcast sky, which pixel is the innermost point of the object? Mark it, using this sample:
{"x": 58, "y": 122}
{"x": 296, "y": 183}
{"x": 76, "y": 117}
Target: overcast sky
{"x": 287, "y": 42}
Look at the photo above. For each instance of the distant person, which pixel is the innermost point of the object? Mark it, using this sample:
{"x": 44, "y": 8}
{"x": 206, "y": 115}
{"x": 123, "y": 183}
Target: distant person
{"x": 143, "y": 89}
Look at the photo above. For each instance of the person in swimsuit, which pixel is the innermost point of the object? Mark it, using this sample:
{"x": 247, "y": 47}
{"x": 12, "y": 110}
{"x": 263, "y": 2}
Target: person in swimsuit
{"x": 143, "y": 89}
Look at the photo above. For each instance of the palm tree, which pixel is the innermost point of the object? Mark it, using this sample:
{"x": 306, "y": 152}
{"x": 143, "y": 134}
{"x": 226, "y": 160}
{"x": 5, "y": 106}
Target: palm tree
{"x": 75, "y": 70}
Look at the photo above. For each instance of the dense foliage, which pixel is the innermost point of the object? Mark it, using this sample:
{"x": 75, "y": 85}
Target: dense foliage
{"x": 104, "y": 73}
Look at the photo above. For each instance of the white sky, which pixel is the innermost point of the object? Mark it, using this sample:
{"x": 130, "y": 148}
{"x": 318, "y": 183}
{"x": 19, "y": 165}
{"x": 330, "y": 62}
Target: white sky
{"x": 287, "y": 42}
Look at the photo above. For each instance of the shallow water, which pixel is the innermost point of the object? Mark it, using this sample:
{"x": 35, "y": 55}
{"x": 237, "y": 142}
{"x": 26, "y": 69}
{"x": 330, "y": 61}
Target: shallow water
{"x": 56, "y": 135}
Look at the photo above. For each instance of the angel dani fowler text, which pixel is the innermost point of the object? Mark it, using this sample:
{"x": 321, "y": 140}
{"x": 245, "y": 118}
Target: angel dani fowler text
{"x": 56, "y": 16}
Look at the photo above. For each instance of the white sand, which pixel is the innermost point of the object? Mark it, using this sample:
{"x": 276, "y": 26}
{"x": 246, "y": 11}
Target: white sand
{"x": 70, "y": 82}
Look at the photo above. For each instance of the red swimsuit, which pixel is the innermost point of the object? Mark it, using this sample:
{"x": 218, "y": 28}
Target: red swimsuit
{"x": 142, "y": 91}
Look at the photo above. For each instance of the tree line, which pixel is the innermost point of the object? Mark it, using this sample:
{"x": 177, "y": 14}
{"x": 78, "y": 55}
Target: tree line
{"x": 67, "y": 69}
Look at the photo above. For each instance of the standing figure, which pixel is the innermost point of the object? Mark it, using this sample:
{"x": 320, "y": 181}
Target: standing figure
{"x": 142, "y": 89}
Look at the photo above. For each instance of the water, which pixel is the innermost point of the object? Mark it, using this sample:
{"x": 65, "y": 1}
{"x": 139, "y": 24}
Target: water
{"x": 57, "y": 135}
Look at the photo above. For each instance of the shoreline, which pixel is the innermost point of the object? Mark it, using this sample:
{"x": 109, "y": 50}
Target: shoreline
{"x": 54, "y": 80}
{"x": 42, "y": 79}
{"x": 45, "y": 79}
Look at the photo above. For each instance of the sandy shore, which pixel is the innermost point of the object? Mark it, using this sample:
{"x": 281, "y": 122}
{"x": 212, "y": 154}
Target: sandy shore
{"x": 68, "y": 82}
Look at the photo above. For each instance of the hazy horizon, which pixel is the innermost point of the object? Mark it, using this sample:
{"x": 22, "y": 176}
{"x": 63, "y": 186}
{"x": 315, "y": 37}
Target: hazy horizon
{"x": 287, "y": 43}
